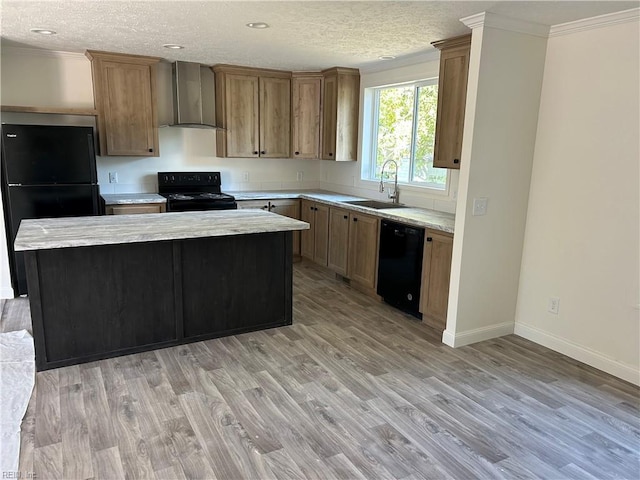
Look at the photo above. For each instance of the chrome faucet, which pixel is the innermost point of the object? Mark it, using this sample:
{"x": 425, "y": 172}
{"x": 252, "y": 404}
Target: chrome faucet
{"x": 393, "y": 195}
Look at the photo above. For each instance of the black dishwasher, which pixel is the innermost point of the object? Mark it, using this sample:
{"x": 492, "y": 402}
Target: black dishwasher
{"x": 400, "y": 266}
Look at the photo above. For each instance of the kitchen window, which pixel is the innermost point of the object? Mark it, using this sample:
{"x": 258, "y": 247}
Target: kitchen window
{"x": 402, "y": 121}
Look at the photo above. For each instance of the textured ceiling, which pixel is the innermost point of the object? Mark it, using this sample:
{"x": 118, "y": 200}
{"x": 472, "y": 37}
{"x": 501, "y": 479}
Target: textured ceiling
{"x": 303, "y": 34}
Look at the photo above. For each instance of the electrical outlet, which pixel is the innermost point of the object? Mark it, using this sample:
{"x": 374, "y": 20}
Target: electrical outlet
{"x": 554, "y": 305}
{"x": 245, "y": 176}
{"x": 480, "y": 206}
{"x": 113, "y": 177}
{"x": 299, "y": 176}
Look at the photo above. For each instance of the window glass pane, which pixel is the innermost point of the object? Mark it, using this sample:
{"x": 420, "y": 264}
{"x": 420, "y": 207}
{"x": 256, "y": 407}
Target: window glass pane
{"x": 423, "y": 170}
{"x": 395, "y": 124}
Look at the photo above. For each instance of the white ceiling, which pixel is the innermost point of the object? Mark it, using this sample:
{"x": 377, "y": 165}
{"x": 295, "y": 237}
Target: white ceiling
{"x": 303, "y": 34}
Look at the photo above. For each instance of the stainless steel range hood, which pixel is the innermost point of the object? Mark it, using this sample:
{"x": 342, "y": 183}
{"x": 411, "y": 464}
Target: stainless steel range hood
{"x": 193, "y": 96}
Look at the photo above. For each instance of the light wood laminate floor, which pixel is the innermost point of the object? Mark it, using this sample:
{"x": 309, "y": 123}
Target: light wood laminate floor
{"x": 354, "y": 389}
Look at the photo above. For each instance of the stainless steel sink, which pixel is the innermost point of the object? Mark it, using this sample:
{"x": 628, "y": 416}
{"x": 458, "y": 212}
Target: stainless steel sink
{"x": 375, "y": 204}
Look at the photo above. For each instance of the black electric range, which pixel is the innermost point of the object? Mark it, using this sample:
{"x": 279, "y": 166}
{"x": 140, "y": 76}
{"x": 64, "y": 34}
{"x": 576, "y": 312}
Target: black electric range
{"x": 192, "y": 191}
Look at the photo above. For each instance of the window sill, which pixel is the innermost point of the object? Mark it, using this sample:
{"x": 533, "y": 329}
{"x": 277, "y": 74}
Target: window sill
{"x": 411, "y": 187}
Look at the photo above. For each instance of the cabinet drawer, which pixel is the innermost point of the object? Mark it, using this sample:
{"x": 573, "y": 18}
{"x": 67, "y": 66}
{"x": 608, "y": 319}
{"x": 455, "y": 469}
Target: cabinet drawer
{"x": 134, "y": 209}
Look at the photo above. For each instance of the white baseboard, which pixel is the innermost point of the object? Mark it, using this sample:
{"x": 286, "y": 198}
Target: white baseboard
{"x": 6, "y": 292}
{"x": 578, "y": 352}
{"x": 476, "y": 335}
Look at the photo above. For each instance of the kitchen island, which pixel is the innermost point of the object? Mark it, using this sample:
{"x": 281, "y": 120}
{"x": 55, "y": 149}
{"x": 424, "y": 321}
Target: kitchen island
{"x": 112, "y": 285}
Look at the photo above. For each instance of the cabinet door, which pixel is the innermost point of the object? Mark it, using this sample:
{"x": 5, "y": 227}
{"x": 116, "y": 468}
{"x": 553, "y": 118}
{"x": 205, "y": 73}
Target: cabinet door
{"x": 291, "y": 209}
{"x": 305, "y": 128}
{"x": 452, "y": 95}
{"x": 436, "y": 270}
{"x": 128, "y": 123}
{"x": 275, "y": 117}
{"x": 307, "y": 237}
{"x": 338, "y": 241}
{"x": 329, "y": 117}
{"x": 321, "y": 240}
{"x": 363, "y": 249}
{"x": 241, "y": 96}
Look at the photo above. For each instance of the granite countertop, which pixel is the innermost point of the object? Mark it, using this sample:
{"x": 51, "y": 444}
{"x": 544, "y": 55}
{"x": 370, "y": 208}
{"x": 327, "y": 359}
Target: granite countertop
{"x": 48, "y": 233}
{"x": 132, "y": 198}
{"x": 419, "y": 217}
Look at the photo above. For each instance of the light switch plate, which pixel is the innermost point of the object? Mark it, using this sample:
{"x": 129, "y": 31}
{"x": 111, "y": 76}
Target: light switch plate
{"x": 113, "y": 177}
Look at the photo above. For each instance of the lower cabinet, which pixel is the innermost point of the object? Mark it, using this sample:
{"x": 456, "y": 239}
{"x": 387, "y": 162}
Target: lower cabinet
{"x": 134, "y": 208}
{"x": 353, "y": 246}
{"x": 315, "y": 241}
{"x": 436, "y": 271}
{"x": 287, "y": 208}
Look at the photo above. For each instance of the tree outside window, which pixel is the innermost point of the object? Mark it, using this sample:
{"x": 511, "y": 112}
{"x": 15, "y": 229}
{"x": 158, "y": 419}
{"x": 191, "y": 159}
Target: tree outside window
{"x": 404, "y": 131}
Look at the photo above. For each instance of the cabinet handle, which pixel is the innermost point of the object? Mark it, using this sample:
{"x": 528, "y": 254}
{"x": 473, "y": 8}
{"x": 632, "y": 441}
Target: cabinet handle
{"x": 297, "y": 153}
{"x": 266, "y": 206}
{"x": 355, "y": 219}
{"x": 346, "y": 216}
{"x": 262, "y": 152}
{"x": 151, "y": 150}
{"x": 255, "y": 152}
{"x": 331, "y": 154}
{"x": 310, "y": 208}
{"x": 429, "y": 239}
{"x": 456, "y": 160}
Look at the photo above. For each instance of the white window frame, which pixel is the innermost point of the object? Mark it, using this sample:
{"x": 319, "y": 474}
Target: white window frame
{"x": 369, "y": 171}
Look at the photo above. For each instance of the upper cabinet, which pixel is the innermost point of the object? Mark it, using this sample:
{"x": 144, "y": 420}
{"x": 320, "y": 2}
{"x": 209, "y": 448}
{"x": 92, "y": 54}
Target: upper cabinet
{"x": 253, "y": 108}
{"x": 306, "y": 101}
{"x": 124, "y": 88}
{"x": 340, "y": 109}
{"x": 452, "y": 94}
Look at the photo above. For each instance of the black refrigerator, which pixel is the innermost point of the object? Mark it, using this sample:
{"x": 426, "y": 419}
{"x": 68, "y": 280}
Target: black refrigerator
{"x": 47, "y": 171}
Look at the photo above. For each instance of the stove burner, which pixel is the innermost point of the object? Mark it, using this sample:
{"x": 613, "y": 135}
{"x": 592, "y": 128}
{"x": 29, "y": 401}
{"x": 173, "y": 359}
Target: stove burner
{"x": 213, "y": 196}
{"x": 179, "y": 196}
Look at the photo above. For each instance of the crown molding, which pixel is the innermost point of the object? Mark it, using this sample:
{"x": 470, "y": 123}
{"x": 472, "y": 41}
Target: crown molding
{"x": 488, "y": 19}
{"x": 39, "y": 52}
{"x": 595, "y": 22}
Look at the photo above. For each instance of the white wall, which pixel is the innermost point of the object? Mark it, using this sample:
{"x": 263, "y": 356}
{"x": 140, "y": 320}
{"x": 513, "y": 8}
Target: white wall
{"x": 344, "y": 177}
{"x": 582, "y": 236}
{"x": 505, "y": 78}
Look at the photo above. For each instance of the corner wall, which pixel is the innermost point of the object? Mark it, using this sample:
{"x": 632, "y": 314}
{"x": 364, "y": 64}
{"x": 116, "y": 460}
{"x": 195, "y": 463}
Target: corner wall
{"x": 582, "y": 237}
{"x": 503, "y": 95}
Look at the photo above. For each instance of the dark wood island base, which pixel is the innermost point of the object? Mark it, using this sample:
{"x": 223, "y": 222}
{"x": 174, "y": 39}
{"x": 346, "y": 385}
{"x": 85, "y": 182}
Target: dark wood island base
{"x": 95, "y": 302}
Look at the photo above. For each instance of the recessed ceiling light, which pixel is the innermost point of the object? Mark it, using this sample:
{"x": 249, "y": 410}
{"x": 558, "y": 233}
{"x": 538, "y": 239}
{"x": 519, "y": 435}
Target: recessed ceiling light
{"x": 43, "y": 31}
{"x": 257, "y": 25}
{"x": 386, "y": 57}
{"x": 173, "y": 46}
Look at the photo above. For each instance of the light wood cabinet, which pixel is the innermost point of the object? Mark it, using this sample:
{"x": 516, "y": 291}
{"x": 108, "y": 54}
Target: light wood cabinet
{"x": 132, "y": 209}
{"x": 363, "y": 249}
{"x": 452, "y": 95}
{"x": 315, "y": 241}
{"x": 353, "y": 246}
{"x": 306, "y": 101}
{"x": 253, "y": 109}
{"x": 338, "y": 255}
{"x": 286, "y": 207}
{"x": 436, "y": 271}
{"x": 340, "y": 111}
{"x": 124, "y": 88}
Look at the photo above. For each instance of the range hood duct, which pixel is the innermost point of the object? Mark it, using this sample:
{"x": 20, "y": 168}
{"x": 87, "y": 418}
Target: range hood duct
{"x": 193, "y": 96}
